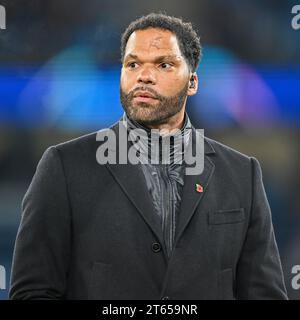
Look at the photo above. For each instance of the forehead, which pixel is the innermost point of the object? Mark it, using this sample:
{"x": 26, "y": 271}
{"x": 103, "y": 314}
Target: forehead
{"x": 152, "y": 41}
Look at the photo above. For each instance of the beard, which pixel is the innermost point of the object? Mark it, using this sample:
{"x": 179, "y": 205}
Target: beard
{"x": 153, "y": 114}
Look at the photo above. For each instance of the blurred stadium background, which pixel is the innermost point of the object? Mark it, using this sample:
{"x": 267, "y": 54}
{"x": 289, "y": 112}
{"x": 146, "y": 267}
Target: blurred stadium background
{"x": 59, "y": 78}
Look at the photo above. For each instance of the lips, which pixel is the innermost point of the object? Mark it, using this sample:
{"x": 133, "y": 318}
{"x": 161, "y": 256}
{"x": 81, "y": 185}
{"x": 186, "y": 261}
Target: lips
{"x": 144, "y": 94}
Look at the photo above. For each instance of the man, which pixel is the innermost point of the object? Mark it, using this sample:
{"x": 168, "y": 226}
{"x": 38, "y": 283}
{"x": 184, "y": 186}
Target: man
{"x": 148, "y": 231}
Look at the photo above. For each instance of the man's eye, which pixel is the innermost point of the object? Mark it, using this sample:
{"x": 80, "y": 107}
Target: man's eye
{"x": 165, "y": 65}
{"x": 132, "y": 65}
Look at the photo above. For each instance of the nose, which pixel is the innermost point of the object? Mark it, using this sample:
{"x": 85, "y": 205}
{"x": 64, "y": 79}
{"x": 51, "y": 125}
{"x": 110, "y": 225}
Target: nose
{"x": 146, "y": 76}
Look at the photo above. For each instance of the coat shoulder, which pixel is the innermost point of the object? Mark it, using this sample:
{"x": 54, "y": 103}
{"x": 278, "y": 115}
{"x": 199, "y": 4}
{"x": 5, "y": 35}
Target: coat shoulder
{"x": 226, "y": 151}
{"x": 82, "y": 143}
{"x": 231, "y": 160}
{"x": 83, "y": 140}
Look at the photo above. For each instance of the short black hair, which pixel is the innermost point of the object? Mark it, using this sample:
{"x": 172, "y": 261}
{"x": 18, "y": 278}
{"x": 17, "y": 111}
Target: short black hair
{"x": 188, "y": 40}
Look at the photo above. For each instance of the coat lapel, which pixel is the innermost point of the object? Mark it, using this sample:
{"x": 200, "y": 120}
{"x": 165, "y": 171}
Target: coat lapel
{"x": 191, "y": 198}
{"x": 132, "y": 181}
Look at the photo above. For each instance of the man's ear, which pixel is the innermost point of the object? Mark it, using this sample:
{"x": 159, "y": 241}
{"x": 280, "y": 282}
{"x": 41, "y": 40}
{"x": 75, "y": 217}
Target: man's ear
{"x": 193, "y": 84}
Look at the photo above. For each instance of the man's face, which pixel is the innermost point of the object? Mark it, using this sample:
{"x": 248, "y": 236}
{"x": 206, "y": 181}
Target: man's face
{"x": 154, "y": 78}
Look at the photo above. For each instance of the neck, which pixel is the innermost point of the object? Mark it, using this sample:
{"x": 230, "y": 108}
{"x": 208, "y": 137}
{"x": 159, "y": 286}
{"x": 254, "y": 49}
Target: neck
{"x": 145, "y": 143}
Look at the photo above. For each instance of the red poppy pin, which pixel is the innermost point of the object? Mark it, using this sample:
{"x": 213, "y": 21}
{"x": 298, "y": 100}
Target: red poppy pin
{"x": 199, "y": 188}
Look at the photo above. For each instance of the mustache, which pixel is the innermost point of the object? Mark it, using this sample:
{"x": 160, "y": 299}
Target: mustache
{"x": 146, "y": 89}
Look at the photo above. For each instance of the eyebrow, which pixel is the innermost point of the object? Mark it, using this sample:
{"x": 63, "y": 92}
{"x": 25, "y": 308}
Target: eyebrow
{"x": 157, "y": 59}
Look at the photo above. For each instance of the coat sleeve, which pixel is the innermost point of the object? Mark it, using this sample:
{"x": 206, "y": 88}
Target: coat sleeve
{"x": 259, "y": 271}
{"x": 42, "y": 248}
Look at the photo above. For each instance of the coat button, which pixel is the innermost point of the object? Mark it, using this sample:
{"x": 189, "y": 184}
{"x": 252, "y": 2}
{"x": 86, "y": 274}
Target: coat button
{"x": 165, "y": 298}
{"x": 156, "y": 247}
